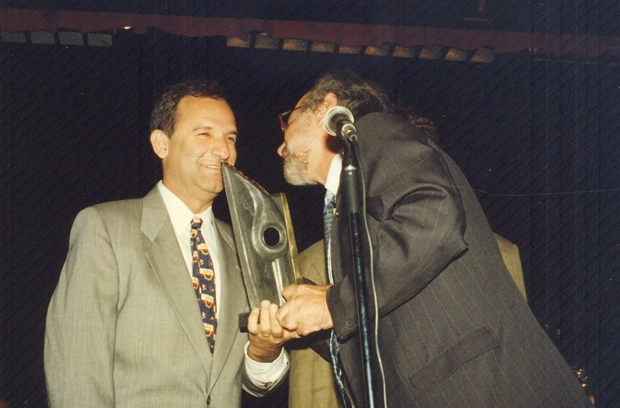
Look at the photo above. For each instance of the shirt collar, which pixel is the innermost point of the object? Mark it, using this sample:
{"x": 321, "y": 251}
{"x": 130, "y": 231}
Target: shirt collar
{"x": 333, "y": 175}
{"x": 180, "y": 215}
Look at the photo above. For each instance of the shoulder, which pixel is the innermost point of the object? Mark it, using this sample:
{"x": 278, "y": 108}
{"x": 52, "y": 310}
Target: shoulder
{"x": 380, "y": 122}
{"x": 114, "y": 215}
{"x": 398, "y": 146}
{"x": 384, "y": 133}
{"x": 122, "y": 209}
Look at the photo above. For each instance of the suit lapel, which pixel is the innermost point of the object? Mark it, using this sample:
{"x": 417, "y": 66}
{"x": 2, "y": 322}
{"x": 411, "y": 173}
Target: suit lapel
{"x": 168, "y": 265}
{"x": 234, "y": 299}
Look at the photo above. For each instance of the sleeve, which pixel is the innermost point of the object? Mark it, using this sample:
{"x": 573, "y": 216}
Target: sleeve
{"x": 261, "y": 378}
{"x": 417, "y": 224}
{"x": 81, "y": 319}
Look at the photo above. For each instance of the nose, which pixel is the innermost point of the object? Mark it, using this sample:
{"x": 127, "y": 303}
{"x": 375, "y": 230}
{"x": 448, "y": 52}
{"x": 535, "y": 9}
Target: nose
{"x": 281, "y": 149}
{"x": 221, "y": 149}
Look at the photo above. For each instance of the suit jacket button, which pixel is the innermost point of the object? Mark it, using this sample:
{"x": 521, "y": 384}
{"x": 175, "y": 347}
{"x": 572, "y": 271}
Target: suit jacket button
{"x": 352, "y": 322}
{"x": 208, "y": 400}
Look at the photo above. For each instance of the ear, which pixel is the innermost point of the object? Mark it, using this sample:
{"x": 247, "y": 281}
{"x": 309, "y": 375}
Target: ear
{"x": 329, "y": 101}
{"x": 159, "y": 141}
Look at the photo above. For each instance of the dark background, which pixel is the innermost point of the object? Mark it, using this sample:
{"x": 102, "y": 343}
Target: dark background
{"x": 537, "y": 138}
{"x": 594, "y": 17}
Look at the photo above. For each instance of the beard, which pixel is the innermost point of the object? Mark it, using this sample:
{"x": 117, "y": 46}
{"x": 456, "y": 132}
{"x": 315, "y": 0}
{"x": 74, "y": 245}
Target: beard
{"x": 296, "y": 165}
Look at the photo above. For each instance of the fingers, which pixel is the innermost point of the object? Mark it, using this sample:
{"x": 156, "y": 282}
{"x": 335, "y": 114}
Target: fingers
{"x": 276, "y": 330}
{"x": 265, "y": 320}
{"x": 264, "y": 345}
{"x": 305, "y": 310}
{"x": 289, "y": 291}
{"x": 283, "y": 316}
{"x": 253, "y": 321}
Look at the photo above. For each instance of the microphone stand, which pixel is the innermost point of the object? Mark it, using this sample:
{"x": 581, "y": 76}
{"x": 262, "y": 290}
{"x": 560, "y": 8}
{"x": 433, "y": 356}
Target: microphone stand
{"x": 352, "y": 198}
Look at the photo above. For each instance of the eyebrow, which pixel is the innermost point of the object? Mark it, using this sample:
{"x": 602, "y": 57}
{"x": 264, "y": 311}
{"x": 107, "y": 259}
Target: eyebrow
{"x": 200, "y": 127}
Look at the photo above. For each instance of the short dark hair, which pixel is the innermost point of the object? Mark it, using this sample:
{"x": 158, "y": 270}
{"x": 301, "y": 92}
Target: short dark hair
{"x": 164, "y": 112}
{"x": 358, "y": 95}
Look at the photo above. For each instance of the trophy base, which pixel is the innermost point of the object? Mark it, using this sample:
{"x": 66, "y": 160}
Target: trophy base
{"x": 243, "y": 322}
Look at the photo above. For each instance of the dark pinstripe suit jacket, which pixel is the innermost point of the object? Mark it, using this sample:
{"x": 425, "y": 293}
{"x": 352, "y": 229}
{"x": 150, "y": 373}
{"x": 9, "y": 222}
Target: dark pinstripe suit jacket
{"x": 454, "y": 329}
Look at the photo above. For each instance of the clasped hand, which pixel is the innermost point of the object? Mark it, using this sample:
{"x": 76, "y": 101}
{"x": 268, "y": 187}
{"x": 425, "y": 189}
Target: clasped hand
{"x": 305, "y": 310}
{"x": 267, "y": 336}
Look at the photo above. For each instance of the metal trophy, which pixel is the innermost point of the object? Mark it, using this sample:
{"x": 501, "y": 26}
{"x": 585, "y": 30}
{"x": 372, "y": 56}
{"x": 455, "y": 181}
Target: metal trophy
{"x": 265, "y": 239}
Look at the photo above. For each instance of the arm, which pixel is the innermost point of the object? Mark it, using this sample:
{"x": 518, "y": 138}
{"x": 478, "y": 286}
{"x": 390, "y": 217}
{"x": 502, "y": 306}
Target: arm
{"x": 266, "y": 362}
{"x": 416, "y": 223}
{"x": 416, "y": 220}
{"x": 81, "y": 319}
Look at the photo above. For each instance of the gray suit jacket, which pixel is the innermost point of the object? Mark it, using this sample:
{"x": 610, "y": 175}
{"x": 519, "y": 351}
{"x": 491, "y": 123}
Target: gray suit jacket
{"x": 454, "y": 329}
{"x": 124, "y": 327}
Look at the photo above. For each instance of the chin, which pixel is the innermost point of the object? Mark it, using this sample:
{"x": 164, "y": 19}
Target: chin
{"x": 298, "y": 180}
{"x": 213, "y": 188}
{"x": 296, "y": 173}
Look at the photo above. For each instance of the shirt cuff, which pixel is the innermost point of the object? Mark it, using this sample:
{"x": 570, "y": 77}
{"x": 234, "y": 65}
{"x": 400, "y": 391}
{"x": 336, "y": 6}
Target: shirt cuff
{"x": 264, "y": 375}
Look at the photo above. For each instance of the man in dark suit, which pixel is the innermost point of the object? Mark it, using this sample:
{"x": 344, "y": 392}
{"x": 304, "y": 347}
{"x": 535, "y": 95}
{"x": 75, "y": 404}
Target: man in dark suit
{"x": 454, "y": 331}
{"x": 124, "y": 327}
{"x": 311, "y": 380}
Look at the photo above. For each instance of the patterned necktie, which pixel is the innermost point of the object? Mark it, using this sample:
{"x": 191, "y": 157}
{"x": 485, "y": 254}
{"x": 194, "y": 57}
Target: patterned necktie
{"x": 203, "y": 279}
{"x": 334, "y": 346}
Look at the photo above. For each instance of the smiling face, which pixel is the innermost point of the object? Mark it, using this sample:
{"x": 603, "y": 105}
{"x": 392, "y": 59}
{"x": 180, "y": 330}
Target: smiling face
{"x": 204, "y": 136}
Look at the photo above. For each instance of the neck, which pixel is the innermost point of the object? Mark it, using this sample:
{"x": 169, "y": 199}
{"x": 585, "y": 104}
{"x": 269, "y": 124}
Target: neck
{"x": 323, "y": 167}
{"x": 329, "y": 146}
{"x": 195, "y": 205}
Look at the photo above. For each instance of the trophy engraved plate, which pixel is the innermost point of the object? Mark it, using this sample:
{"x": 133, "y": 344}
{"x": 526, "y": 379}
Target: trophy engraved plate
{"x": 264, "y": 237}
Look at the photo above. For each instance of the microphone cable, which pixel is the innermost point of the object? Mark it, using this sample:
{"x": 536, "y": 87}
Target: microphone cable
{"x": 372, "y": 275}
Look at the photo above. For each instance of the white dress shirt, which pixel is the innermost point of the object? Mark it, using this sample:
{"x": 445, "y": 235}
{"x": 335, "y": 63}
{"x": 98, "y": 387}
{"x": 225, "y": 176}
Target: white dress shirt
{"x": 333, "y": 175}
{"x": 261, "y": 374}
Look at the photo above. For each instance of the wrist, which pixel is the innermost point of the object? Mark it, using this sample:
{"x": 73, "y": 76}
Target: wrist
{"x": 263, "y": 355}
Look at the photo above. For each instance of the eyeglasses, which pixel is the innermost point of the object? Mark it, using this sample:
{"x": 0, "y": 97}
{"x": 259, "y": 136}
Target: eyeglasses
{"x": 284, "y": 118}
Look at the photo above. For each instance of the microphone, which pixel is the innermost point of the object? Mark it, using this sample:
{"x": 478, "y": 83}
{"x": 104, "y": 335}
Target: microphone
{"x": 339, "y": 118}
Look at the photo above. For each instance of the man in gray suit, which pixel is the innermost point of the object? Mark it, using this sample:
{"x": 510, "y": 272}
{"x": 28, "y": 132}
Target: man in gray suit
{"x": 124, "y": 326}
{"x": 453, "y": 329}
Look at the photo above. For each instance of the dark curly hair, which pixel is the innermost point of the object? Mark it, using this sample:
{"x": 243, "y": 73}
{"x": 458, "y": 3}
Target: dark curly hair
{"x": 362, "y": 97}
{"x": 358, "y": 95}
